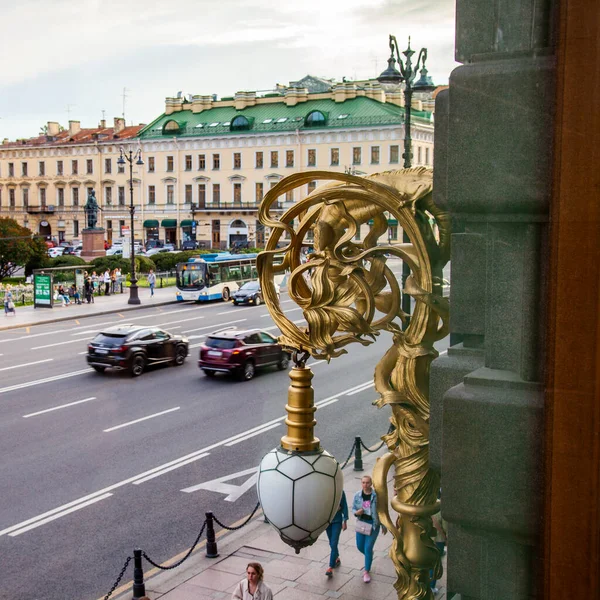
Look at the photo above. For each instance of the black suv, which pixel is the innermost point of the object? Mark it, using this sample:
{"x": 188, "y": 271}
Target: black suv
{"x": 241, "y": 353}
{"x": 134, "y": 347}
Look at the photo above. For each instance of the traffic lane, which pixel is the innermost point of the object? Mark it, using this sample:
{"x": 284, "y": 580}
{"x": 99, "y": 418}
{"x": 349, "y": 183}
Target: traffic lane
{"x": 157, "y": 515}
{"x": 55, "y": 462}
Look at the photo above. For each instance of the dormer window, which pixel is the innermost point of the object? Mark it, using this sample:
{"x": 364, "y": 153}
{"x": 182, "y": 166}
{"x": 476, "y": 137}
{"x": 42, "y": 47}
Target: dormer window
{"x": 239, "y": 123}
{"x": 315, "y": 119}
{"x": 282, "y": 120}
{"x": 171, "y": 127}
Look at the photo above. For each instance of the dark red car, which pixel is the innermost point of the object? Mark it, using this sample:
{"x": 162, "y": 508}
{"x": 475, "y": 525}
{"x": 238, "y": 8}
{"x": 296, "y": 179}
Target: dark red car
{"x": 241, "y": 353}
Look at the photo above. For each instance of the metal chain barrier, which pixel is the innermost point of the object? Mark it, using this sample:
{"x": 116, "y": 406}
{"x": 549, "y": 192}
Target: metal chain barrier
{"x": 343, "y": 466}
{"x": 173, "y": 566}
{"x": 116, "y": 584}
{"x": 239, "y": 526}
{"x": 368, "y": 449}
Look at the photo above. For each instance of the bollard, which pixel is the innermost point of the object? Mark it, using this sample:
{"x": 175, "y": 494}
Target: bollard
{"x": 161, "y": 281}
{"x": 358, "y": 464}
{"x": 211, "y": 540}
{"x": 139, "y": 589}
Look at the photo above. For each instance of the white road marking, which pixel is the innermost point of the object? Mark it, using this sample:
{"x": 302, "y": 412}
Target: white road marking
{"x": 57, "y": 344}
{"x": 47, "y": 410}
{"x": 251, "y": 435}
{"x": 172, "y": 468}
{"x": 332, "y": 401}
{"x": 314, "y": 364}
{"x": 88, "y": 332}
{"x": 362, "y": 389}
{"x": 285, "y": 312}
{"x": 27, "y": 384}
{"x": 236, "y": 309}
{"x": 233, "y": 491}
{"x": 215, "y": 326}
{"x": 164, "y": 412}
{"x": 58, "y": 515}
{"x": 37, "y": 362}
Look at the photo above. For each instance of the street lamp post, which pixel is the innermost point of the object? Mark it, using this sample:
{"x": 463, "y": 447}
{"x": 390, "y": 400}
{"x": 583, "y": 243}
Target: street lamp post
{"x": 129, "y": 157}
{"x": 193, "y": 209}
{"x": 406, "y": 75}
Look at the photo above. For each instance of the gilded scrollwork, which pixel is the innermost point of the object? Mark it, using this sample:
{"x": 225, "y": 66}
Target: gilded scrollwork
{"x": 349, "y": 294}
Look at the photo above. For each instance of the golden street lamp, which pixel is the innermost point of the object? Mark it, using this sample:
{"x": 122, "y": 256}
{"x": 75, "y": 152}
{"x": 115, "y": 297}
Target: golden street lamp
{"x": 348, "y": 295}
{"x": 129, "y": 157}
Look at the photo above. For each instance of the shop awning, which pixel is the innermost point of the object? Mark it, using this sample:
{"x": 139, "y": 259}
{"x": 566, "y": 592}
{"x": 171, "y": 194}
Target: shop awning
{"x": 149, "y": 223}
{"x": 168, "y": 223}
{"x": 187, "y": 223}
{"x": 390, "y": 222}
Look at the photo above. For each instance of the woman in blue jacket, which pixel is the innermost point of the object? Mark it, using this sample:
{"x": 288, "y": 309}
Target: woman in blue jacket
{"x": 335, "y": 528}
{"x": 364, "y": 507}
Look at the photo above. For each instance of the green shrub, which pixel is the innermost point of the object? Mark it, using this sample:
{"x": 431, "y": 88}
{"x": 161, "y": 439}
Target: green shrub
{"x": 143, "y": 264}
{"x": 102, "y": 263}
{"x": 166, "y": 261}
{"x": 66, "y": 261}
{"x": 37, "y": 261}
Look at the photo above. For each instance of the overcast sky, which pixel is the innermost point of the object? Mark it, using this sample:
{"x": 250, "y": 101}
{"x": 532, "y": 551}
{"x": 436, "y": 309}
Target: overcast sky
{"x": 64, "y": 59}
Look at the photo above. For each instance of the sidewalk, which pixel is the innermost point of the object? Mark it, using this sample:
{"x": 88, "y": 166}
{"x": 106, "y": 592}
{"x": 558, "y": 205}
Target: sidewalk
{"x": 290, "y": 576}
{"x": 27, "y": 316}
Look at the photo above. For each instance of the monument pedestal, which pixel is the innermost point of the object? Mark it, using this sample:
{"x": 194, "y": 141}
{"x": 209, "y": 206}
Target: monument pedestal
{"x": 93, "y": 244}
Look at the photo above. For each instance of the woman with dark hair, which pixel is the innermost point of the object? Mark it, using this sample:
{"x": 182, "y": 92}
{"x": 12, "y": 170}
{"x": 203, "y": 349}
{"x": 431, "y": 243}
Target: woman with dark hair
{"x": 253, "y": 587}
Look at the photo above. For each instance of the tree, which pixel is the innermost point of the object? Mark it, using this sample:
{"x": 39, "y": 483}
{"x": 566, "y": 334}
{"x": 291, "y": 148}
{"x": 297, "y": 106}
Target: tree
{"x": 17, "y": 247}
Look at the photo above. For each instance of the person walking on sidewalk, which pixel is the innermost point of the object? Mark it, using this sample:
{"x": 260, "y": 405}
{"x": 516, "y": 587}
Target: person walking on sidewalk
{"x": 106, "y": 280}
{"x": 364, "y": 507}
{"x": 151, "y": 282}
{"x": 335, "y": 528}
{"x": 88, "y": 289}
{"x": 9, "y": 303}
{"x": 253, "y": 587}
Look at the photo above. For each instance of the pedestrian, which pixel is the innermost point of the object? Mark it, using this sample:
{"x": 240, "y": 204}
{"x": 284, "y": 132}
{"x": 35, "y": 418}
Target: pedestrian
{"x": 441, "y": 538}
{"x": 113, "y": 282}
{"x": 95, "y": 282}
{"x": 63, "y": 295}
{"x": 151, "y": 281}
{"x": 335, "y": 528}
{"x": 74, "y": 293}
{"x": 364, "y": 507}
{"x": 253, "y": 587}
{"x": 106, "y": 280}
{"x": 88, "y": 290}
{"x": 9, "y": 303}
{"x": 119, "y": 281}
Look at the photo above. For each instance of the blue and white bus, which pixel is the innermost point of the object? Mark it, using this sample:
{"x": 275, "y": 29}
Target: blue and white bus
{"x": 215, "y": 276}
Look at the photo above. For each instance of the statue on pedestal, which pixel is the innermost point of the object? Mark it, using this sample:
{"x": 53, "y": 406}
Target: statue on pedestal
{"x": 91, "y": 209}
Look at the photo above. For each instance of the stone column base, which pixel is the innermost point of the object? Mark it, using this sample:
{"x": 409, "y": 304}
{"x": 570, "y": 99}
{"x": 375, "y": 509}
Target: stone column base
{"x": 93, "y": 244}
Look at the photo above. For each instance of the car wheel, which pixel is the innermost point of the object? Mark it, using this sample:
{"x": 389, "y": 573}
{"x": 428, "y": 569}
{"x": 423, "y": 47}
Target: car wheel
{"x": 226, "y": 294}
{"x": 98, "y": 369}
{"x": 234, "y": 302}
{"x": 208, "y": 373}
{"x": 257, "y": 301}
{"x": 247, "y": 371}
{"x": 180, "y": 355}
{"x": 138, "y": 364}
{"x": 284, "y": 363}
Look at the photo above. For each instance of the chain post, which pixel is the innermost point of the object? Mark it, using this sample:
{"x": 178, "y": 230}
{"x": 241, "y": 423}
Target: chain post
{"x": 358, "y": 463}
{"x": 139, "y": 589}
{"x": 211, "y": 541}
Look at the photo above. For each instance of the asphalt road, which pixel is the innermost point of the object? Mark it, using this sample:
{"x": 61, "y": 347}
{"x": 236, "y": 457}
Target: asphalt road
{"x": 95, "y": 465}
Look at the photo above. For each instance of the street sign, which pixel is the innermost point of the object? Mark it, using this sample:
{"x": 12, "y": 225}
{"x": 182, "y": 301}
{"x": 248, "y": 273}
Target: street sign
{"x": 42, "y": 291}
{"x": 233, "y": 491}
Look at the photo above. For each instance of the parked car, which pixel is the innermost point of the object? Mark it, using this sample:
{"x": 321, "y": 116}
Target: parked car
{"x": 56, "y": 251}
{"x": 115, "y": 251}
{"x": 135, "y": 347}
{"x": 189, "y": 245}
{"x": 249, "y": 293}
{"x": 154, "y": 251}
{"x": 69, "y": 251}
{"x": 241, "y": 353}
{"x": 153, "y": 244}
{"x": 64, "y": 244}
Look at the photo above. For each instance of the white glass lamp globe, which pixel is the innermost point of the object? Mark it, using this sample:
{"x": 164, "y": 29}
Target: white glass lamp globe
{"x": 300, "y": 493}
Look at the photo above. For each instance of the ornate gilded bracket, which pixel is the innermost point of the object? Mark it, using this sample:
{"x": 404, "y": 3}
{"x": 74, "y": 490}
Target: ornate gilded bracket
{"x": 348, "y": 294}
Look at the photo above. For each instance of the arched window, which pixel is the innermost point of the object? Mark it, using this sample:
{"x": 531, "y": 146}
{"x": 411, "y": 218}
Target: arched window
{"x": 239, "y": 123}
{"x": 238, "y": 224}
{"x": 171, "y": 127}
{"x": 315, "y": 119}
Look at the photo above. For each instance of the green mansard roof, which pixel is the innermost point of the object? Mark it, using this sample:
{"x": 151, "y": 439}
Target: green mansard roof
{"x": 277, "y": 116}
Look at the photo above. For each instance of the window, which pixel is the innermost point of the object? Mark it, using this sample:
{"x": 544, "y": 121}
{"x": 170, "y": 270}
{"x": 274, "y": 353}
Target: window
{"x": 240, "y": 122}
{"x": 25, "y": 197}
{"x": 259, "y": 192}
{"x": 170, "y": 164}
{"x": 170, "y": 194}
{"x": 201, "y": 162}
{"x": 374, "y": 155}
{"x": 274, "y": 159}
{"x": 394, "y": 154}
{"x": 89, "y": 166}
{"x": 24, "y": 169}
{"x": 11, "y": 197}
{"x": 289, "y": 158}
{"x": 393, "y": 232}
{"x": 419, "y": 157}
{"x": 151, "y": 165}
{"x": 61, "y": 196}
{"x": 75, "y": 228}
{"x": 315, "y": 119}
{"x": 42, "y": 170}
{"x": 121, "y": 226}
{"x": 237, "y": 193}
{"x": 59, "y": 167}
{"x": 289, "y": 196}
{"x": 356, "y": 155}
{"x": 335, "y": 157}
{"x": 188, "y": 193}
{"x": 188, "y": 162}
{"x": 151, "y": 194}
{"x": 108, "y": 165}
{"x": 121, "y": 195}
{"x": 109, "y": 228}
{"x": 43, "y": 197}
{"x": 426, "y": 156}
{"x": 202, "y": 195}
{"x": 216, "y": 193}
{"x": 311, "y": 187}
{"x": 11, "y": 169}
{"x": 75, "y": 196}
{"x": 259, "y": 160}
{"x": 216, "y": 161}
{"x": 74, "y": 167}
{"x": 237, "y": 160}
{"x": 312, "y": 158}
{"x": 108, "y": 195}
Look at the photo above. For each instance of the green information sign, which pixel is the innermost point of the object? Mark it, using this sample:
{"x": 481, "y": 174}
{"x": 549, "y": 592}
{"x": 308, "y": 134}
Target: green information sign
{"x": 42, "y": 291}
